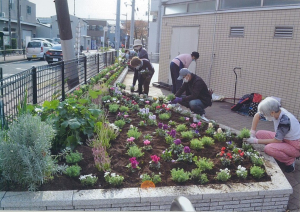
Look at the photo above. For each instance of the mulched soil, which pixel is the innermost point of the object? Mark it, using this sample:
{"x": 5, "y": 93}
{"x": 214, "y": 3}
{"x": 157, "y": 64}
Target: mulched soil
{"x": 132, "y": 179}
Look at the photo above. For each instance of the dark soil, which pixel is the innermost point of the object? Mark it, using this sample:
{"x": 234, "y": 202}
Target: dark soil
{"x": 132, "y": 179}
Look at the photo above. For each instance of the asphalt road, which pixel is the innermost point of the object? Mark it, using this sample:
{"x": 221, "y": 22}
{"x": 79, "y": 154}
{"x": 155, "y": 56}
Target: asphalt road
{"x": 19, "y": 66}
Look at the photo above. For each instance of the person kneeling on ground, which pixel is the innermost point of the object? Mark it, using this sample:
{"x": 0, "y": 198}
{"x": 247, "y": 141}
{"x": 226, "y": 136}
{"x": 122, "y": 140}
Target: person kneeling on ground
{"x": 284, "y": 143}
{"x": 197, "y": 96}
{"x": 145, "y": 73}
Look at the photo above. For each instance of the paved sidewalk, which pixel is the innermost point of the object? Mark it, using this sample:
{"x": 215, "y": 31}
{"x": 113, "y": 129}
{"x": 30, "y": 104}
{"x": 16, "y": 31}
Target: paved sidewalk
{"x": 12, "y": 58}
{"x": 221, "y": 113}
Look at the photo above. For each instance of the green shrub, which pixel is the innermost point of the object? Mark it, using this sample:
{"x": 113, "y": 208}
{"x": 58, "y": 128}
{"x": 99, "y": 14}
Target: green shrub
{"x": 133, "y": 132}
{"x": 105, "y": 98}
{"x": 74, "y": 157}
{"x": 181, "y": 128}
{"x": 164, "y": 116}
{"x": 245, "y": 133}
{"x": 135, "y": 151}
{"x": 221, "y": 137}
{"x": 256, "y": 160}
{"x": 155, "y": 178}
{"x": 73, "y": 171}
{"x": 124, "y": 109}
{"x": 223, "y": 175}
{"x": 203, "y": 163}
{"x": 120, "y": 123}
{"x": 170, "y": 97}
{"x": 180, "y": 175}
{"x": 257, "y": 172}
{"x": 187, "y": 134}
{"x": 210, "y": 131}
{"x": 88, "y": 180}
{"x": 25, "y": 156}
{"x": 172, "y": 123}
{"x": 207, "y": 141}
{"x": 113, "y": 179}
{"x": 196, "y": 144}
{"x": 113, "y": 108}
{"x": 196, "y": 174}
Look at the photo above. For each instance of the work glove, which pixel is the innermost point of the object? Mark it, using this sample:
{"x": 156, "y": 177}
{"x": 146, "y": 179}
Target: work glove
{"x": 252, "y": 133}
{"x": 251, "y": 140}
{"x": 176, "y": 100}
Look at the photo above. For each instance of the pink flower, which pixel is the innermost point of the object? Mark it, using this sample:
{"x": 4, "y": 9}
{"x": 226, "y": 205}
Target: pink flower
{"x": 131, "y": 139}
{"x": 199, "y": 123}
{"x": 155, "y": 158}
{"x": 186, "y": 118}
{"x": 126, "y": 116}
{"x": 146, "y": 142}
{"x": 133, "y": 162}
{"x": 112, "y": 88}
{"x": 147, "y": 102}
{"x": 193, "y": 125}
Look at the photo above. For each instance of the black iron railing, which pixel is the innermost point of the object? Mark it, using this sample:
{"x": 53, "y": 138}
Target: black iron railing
{"x": 48, "y": 82}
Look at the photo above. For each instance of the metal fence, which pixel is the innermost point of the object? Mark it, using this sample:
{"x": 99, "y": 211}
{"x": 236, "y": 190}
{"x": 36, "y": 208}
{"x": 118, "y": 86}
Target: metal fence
{"x": 48, "y": 82}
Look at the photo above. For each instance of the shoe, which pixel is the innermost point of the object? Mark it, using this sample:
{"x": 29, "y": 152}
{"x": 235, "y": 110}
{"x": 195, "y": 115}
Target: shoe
{"x": 204, "y": 118}
{"x": 290, "y": 168}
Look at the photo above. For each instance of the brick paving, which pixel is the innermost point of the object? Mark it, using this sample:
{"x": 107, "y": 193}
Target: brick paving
{"x": 221, "y": 113}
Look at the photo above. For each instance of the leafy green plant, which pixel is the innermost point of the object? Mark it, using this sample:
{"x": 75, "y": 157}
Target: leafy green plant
{"x": 256, "y": 160}
{"x": 172, "y": 123}
{"x": 113, "y": 179}
{"x": 241, "y": 172}
{"x": 169, "y": 139}
{"x": 88, "y": 180}
{"x": 25, "y": 146}
{"x": 223, "y": 175}
{"x": 124, "y": 109}
{"x": 247, "y": 147}
{"x": 257, "y": 172}
{"x": 187, "y": 134}
{"x": 167, "y": 155}
{"x": 221, "y": 137}
{"x": 148, "y": 137}
{"x": 181, "y": 128}
{"x": 106, "y": 98}
{"x": 180, "y": 175}
{"x": 73, "y": 157}
{"x": 170, "y": 97}
{"x": 196, "y": 144}
{"x": 245, "y": 133}
{"x": 210, "y": 131}
{"x": 133, "y": 132}
{"x": 120, "y": 123}
{"x": 121, "y": 85}
{"x": 203, "y": 163}
{"x": 197, "y": 175}
{"x": 182, "y": 118}
{"x": 155, "y": 178}
{"x": 207, "y": 141}
{"x": 135, "y": 151}
{"x": 164, "y": 116}
{"x": 113, "y": 108}
{"x": 73, "y": 171}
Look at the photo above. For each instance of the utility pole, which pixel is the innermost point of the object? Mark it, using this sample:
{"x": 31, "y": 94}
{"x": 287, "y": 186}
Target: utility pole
{"x": 19, "y": 25}
{"x": 148, "y": 24}
{"x": 9, "y": 21}
{"x": 67, "y": 44}
{"x": 74, "y": 7}
{"x": 132, "y": 24}
{"x": 117, "y": 43}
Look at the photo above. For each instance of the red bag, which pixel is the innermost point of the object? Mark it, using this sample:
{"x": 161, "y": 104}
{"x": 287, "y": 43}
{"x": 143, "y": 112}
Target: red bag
{"x": 257, "y": 98}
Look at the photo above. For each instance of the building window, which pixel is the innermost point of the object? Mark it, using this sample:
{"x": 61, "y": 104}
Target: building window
{"x": 233, "y": 4}
{"x": 88, "y": 27}
{"x": 29, "y": 10}
{"x": 236, "y": 32}
{"x": 199, "y": 7}
{"x": 175, "y": 9}
{"x": 94, "y": 27}
{"x": 283, "y": 32}
{"x": 280, "y": 2}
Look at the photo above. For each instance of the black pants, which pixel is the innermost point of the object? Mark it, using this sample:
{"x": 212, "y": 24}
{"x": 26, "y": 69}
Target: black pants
{"x": 174, "y": 69}
{"x": 144, "y": 81}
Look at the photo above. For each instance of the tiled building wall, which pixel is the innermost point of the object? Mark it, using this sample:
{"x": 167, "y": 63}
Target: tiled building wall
{"x": 270, "y": 66}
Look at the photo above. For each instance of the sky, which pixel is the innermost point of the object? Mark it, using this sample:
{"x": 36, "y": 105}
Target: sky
{"x": 94, "y": 9}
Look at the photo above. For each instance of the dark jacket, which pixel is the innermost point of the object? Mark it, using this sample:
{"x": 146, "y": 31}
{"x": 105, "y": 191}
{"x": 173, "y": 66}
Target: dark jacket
{"x": 146, "y": 65}
{"x": 195, "y": 89}
{"x": 142, "y": 53}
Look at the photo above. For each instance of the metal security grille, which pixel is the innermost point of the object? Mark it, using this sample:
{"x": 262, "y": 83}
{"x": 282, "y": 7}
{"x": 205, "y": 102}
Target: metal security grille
{"x": 236, "y": 32}
{"x": 48, "y": 82}
{"x": 283, "y": 32}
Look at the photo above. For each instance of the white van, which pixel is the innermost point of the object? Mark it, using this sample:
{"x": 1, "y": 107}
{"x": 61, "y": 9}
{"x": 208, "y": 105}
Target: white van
{"x": 37, "y": 49}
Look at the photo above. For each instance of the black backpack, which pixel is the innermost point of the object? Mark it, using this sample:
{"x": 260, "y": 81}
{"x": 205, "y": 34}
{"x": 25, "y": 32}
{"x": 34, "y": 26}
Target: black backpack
{"x": 245, "y": 100}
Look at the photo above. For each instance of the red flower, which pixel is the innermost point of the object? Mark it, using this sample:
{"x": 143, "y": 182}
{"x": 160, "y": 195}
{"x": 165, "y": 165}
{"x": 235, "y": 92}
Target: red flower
{"x": 223, "y": 148}
{"x": 228, "y": 154}
{"x": 164, "y": 105}
{"x": 240, "y": 151}
{"x": 157, "y": 107}
{"x": 222, "y": 152}
{"x": 167, "y": 108}
{"x": 242, "y": 154}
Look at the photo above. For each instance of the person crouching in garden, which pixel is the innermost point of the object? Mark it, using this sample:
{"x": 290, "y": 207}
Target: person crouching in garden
{"x": 198, "y": 97}
{"x": 284, "y": 143}
{"x": 145, "y": 73}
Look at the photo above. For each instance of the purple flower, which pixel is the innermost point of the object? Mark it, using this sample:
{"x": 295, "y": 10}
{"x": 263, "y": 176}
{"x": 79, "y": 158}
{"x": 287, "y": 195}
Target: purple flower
{"x": 172, "y": 133}
{"x": 186, "y": 149}
{"x": 177, "y": 142}
{"x": 160, "y": 125}
{"x": 165, "y": 126}
{"x": 197, "y": 131}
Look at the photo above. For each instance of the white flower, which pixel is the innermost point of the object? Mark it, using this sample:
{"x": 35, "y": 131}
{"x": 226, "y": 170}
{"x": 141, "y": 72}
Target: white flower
{"x": 219, "y": 130}
{"x": 141, "y": 176}
{"x": 38, "y": 110}
{"x": 118, "y": 101}
{"x": 131, "y": 126}
{"x": 108, "y": 100}
{"x": 113, "y": 174}
{"x": 106, "y": 173}
{"x": 210, "y": 125}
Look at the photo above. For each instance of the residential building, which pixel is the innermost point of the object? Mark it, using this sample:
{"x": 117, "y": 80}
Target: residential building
{"x": 95, "y": 30}
{"x": 261, "y": 37}
{"x": 27, "y": 17}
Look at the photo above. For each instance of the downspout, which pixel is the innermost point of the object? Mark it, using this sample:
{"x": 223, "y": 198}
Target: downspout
{"x": 213, "y": 45}
{"x": 159, "y": 26}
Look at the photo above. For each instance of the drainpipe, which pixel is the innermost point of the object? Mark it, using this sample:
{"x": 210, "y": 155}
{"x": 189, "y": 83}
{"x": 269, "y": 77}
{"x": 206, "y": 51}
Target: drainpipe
{"x": 213, "y": 46}
{"x": 159, "y": 26}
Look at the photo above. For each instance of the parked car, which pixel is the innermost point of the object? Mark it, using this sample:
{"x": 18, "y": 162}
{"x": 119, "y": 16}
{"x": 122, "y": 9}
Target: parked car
{"x": 54, "y": 54}
{"x": 57, "y": 40}
{"x": 37, "y": 49}
{"x": 52, "y": 41}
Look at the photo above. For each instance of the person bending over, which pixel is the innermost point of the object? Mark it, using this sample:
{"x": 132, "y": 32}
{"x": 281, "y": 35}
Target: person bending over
{"x": 284, "y": 143}
{"x": 197, "y": 96}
